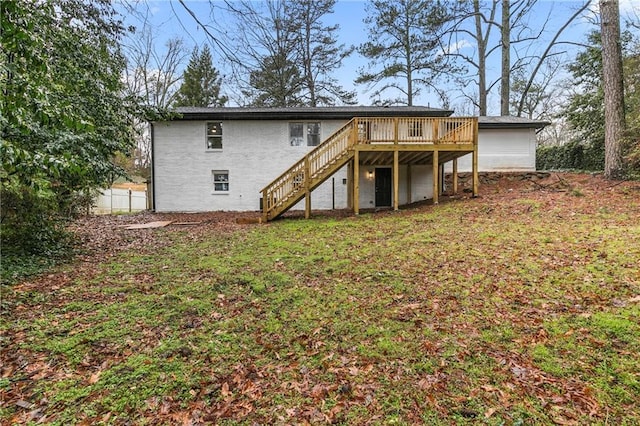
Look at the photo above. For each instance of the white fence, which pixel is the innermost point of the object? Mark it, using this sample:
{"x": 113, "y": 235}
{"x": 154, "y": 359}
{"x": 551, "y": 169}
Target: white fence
{"x": 115, "y": 200}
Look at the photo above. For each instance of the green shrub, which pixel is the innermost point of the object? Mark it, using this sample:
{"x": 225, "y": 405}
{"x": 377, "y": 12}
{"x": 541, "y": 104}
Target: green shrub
{"x": 574, "y": 155}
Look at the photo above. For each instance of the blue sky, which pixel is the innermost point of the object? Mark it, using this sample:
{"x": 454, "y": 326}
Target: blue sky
{"x": 172, "y": 20}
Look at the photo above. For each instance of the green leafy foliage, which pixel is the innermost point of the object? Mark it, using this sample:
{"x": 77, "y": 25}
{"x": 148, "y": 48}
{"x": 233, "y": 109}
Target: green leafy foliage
{"x": 64, "y": 115}
{"x": 585, "y": 112}
{"x": 574, "y": 155}
{"x": 200, "y": 82}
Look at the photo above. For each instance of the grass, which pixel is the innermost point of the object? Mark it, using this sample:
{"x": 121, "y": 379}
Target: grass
{"x": 514, "y": 318}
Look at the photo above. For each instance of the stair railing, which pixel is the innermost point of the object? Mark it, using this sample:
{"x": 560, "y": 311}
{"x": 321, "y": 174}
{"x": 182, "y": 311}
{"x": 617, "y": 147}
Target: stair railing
{"x": 291, "y": 185}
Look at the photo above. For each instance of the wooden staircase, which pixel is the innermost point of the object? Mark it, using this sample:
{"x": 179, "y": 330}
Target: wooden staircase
{"x": 423, "y": 133}
{"x": 309, "y": 172}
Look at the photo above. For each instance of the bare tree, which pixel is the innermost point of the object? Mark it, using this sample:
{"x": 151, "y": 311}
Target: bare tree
{"x": 505, "y": 79}
{"x": 152, "y": 74}
{"x": 319, "y": 53}
{"x": 613, "y": 85}
{"x": 266, "y": 45}
{"x": 478, "y": 23}
{"x": 285, "y": 54}
{"x": 546, "y": 55}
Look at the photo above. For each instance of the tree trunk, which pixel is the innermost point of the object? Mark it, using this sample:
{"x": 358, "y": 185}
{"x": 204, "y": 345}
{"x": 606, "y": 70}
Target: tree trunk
{"x": 613, "y": 88}
{"x": 505, "y": 81}
{"x": 482, "y": 66}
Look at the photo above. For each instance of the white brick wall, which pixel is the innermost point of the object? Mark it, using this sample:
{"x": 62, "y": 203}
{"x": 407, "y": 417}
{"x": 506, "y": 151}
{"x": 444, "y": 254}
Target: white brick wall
{"x": 502, "y": 150}
{"x": 256, "y": 152}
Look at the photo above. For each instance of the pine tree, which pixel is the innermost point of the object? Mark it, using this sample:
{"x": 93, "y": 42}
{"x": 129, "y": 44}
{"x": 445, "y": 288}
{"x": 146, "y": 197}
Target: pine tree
{"x": 200, "y": 82}
{"x": 613, "y": 88}
{"x": 403, "y": 48}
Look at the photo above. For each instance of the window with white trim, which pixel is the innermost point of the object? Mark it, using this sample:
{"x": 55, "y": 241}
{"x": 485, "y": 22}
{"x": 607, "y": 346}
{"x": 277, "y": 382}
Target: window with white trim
{"x": 313, "y": 134}
{"x": 220, "y": 180}
{"x": 214, "y": 135}
{"x": 297, "y": 134}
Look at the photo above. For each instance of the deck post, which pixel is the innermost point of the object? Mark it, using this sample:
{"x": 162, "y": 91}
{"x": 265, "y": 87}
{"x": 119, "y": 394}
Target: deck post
{"x": 396, "y": 178}
{"x": 356, "y": 182}
{"x": 395, "y": 131}
{"x": 454, "y": 176}
{"x": 265, "y": 209}
{"x": 475, "y": 161}
{"x": 307, "y": 191}
{"x": 436, "y": 178}
{"x": 350, "y": 184}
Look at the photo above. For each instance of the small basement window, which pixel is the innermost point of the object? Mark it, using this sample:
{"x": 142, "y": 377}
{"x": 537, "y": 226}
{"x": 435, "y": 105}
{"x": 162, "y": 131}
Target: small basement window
{"x": 220, "y": 180}
{"x": 214, "y": 135}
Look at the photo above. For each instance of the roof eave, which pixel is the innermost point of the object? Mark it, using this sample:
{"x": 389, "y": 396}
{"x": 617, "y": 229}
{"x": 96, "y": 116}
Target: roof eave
{"x": 531, "y": 125}
{"x": 306, "y": 114}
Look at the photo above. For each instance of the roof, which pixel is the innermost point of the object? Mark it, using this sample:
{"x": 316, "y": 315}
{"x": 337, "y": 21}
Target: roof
{"x": 509, "y": 122}
{"x": 345, "y": 113}
{"x": 302, "y": 113}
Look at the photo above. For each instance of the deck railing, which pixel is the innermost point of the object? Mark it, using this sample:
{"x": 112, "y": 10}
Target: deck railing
{"x": 325, "y": 159}
{"x": 420, "y": 130}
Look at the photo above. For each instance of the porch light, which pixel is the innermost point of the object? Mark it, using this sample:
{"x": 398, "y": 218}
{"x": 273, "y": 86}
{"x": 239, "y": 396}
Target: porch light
{"x": 370, "y": 174}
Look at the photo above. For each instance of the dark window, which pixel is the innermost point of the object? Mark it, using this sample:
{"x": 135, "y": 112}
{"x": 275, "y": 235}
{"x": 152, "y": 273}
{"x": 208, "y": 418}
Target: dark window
{"x": 313, "y": 134}
{"x": 296, "y": 134}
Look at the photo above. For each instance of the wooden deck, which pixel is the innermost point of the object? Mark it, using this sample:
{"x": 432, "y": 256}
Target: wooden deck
{"x": 366, "y": 142}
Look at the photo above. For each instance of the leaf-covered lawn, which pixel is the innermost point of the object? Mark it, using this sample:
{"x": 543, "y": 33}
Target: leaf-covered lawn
{"x": 519, "y": 307}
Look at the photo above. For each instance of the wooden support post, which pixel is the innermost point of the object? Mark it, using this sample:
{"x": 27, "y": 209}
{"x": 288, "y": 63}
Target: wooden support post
{"x": 395, "y": 131}
{"x": 409, "y": 184}
{"x": 396, "y": 178}
{"x": 436, "y": 178}
{"x": 356, "y": 182}
{"x": 475, "y": 160}
{"x": 265, "y": 207}
{"x": 454, "y": 177}
{"x": 350, "y": 184}
{"x": 307, "y": 189}
{"x": 475, "y": 171}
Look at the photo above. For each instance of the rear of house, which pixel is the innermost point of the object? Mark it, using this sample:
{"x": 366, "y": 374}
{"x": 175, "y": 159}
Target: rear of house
{"x": 220, "y": 159}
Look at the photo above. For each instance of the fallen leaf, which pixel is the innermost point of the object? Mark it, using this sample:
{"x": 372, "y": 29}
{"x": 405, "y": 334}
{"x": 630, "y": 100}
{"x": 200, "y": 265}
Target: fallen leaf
{"x": 490, "y": 412}
{"x": 94, "y": 377}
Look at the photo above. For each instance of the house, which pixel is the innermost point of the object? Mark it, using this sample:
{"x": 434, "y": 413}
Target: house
{"x": 276, "y": 159}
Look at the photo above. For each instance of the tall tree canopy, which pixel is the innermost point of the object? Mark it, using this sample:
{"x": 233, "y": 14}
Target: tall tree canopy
{"x": 319, "y": 54}
{"x": 403, "y": 48}
{"x": 200, "y": 82}
{"x": 585, "y": 111}
{"x": 286, "y": 55}
{"x": 64, "y": 112}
